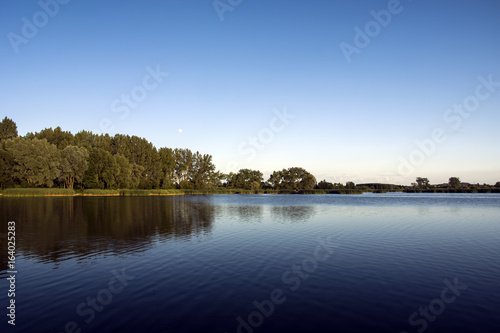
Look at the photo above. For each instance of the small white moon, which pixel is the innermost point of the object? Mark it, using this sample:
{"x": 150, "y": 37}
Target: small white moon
{"x": 180, "y": 130}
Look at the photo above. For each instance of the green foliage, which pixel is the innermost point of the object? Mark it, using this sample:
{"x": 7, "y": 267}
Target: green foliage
{"x": 132, "y": 193}
{"x": 346, "y": 191}
{"x": 245, "y": 179}
{"x": 57, "y": 158}
{"x": 36, "y": 161}
{"x": 15, "y": 192}
{"x": 317, "y": 191}
{"x": 324, "y": 185}
{"x": 7, "y": 164}
{"x": 101, "y": 171}
{"x": 454, "y": 182}
{"x": 8, "y": 129}
{"x": 73, "y": 165}
{"x": 57, "y": 137}
{"x": 422, "y": 182}
{"x": 292, "y": 179}
{"x": 100, "y": 192}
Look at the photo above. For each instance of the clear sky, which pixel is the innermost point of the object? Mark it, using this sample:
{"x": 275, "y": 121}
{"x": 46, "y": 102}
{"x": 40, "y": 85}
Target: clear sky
{"x": 356, "y": 84}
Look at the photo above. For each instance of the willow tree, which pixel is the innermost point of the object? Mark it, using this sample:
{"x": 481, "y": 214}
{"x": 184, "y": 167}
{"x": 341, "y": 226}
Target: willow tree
{"x": 73, "y": 165}
{"x": 36, "y": 161}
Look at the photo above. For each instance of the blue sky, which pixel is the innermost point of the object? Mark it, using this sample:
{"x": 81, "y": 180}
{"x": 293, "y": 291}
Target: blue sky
{"x": 356, "y": 118}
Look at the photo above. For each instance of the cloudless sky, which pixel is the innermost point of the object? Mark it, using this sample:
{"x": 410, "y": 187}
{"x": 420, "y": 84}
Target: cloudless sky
{"x": 356, "y": 120}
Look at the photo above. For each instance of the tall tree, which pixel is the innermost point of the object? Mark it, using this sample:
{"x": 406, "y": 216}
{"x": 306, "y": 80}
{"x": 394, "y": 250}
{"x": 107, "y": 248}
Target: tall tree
{"x": 246, "y": 179}
{"x": 101, "y": 171}
{"x": 36, "y": 161}
{"x": 295, "y": 179}
{"x": 56, "y": 136}
{"x": 167, "y": 167}
{"x": 183, "y": 165}
{"x": 73, "y": 165}
{"x": 454, "y": 182}
{"x": 8, "y": 129}
{"x": 422, "y": 182}
{"x": 7, "y": 164}
{"x": 202, "y": 170}
{"x": 123, "y": 177}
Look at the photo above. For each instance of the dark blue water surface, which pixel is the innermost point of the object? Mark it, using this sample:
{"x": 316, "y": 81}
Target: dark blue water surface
{"x": 255, "y": 263}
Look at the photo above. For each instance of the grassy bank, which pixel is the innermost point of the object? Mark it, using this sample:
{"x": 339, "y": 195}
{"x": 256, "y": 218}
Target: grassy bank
{"x": 451, "y": 190}
{"x": 36, "y": 192}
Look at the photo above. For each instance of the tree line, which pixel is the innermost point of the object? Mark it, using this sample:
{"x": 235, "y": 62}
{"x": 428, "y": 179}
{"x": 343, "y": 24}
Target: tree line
{"x": 85, "y": 160}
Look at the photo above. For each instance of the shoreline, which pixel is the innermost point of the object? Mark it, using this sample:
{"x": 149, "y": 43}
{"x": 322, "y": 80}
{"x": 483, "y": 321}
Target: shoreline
{"x": 158, "y": 193}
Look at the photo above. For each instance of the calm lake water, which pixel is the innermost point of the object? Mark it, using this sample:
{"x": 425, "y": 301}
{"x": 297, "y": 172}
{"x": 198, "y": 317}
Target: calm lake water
{"x": 255, "y": 263}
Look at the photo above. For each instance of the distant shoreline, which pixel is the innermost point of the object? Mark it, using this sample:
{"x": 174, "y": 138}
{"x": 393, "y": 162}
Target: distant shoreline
{"x": 51, "y": 192}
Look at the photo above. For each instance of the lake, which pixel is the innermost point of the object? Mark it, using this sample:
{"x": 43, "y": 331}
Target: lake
{"x": 390, "y": 262}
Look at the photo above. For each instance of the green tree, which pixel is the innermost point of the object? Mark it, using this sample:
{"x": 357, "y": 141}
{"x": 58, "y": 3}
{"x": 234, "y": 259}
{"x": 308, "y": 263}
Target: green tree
{"x": 422, "y": 182}
{"x": 57, "y": 137}
{"x": 73, "y": 165}
{"x": 324, "y": 185}
{"x": 202, "y": 171}
{"x": 101, "y": 170}
{"x": 7, "y": 164}
{"x": 454, "y": 182}
{"x": 36, "y": 161}
{"x": 350, "y": 185}
{"x": 246, "y": 179}
{"x": 295, "y": 179}
{"x": 123, "y": 177}
{"x": 8, "y": 129}
{"x": 183, "y": 165}
{"x": 167, "y": 167}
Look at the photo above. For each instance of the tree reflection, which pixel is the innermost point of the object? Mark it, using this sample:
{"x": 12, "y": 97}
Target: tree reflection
{"x": 55, "y": 228}
{"x": 292, "y": 213}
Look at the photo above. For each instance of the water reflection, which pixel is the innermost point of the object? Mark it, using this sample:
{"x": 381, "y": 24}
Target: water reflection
{"x": 252, "y": 214}
{"x": 55, "y": 229}
{"x": 292, "y": 213}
